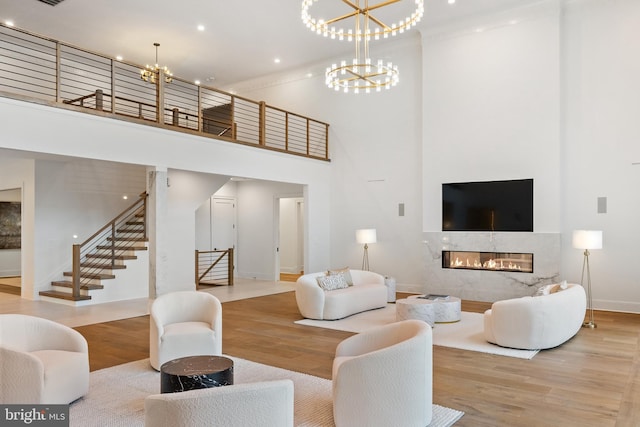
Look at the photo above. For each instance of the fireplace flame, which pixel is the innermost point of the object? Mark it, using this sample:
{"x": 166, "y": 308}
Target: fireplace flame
{"x": 487, "y": 265}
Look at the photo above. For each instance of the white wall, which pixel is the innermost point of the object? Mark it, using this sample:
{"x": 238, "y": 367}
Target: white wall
{"x": 75, "y": 197}
{"x": 186, "y": 193}
{"x": 257, "y": 226}
{"x": 491, "y": 112}
{"x": 602, "y": 133}
{"x": 375, "y": 150}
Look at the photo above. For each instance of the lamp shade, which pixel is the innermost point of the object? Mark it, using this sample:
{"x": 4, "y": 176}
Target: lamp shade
{"x": 587, "y": 239}
{"x": 366, "y": 235}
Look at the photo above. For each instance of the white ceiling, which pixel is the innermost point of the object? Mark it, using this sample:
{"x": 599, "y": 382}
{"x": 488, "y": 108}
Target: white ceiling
{"x": 240, "y": 40}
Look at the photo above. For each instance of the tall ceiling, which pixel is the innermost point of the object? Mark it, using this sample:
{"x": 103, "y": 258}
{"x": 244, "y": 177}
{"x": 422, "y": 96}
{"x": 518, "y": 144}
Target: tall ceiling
{"x": 240, "y": 41}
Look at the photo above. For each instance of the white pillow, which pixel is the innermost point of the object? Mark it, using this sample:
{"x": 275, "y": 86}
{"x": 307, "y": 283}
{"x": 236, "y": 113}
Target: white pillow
{"x": 332, "y": 282}
{"x": 544, "y": 290}
{"x": 344, "y": 272}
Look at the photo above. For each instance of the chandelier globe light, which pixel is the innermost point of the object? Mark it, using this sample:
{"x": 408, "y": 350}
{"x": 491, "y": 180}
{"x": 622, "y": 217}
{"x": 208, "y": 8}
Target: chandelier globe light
{"x": 361, "y": 73}
{"x": 151, "y": 72}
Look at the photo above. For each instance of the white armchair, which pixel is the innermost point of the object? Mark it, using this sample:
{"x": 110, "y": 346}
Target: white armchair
{"x": 261, "y": 404}
{"x": 383, "y": 377}
{"x": 41, "y": 362}
{"x": 185, "y": 323}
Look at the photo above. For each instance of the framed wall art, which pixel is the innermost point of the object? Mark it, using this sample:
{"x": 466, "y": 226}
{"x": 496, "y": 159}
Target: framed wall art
{"x": 10, "y": 225}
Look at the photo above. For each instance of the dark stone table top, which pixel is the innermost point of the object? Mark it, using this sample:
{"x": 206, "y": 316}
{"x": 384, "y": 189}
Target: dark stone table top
{"x": 195, "y": 372}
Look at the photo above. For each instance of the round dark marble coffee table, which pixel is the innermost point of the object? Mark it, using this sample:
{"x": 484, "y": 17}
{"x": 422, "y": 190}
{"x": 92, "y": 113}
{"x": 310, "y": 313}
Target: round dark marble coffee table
{"x": 195, "y": 372}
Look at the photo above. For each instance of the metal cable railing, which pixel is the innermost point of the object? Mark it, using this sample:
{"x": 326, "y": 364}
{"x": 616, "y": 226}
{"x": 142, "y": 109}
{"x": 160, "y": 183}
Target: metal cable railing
{"x": 39, "y": 68}
{"x": 214, "y": 267}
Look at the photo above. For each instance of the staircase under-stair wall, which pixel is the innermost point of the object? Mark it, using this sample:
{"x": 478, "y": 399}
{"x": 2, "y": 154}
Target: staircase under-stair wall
{"x": 112, "y": 265}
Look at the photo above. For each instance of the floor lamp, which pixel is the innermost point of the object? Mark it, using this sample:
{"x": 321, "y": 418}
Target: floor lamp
{"x": 587, "y": 239}
{"x": 366, "y": 236}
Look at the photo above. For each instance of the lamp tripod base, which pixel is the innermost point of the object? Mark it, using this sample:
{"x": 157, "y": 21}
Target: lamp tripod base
{"x": 590, "y": 324}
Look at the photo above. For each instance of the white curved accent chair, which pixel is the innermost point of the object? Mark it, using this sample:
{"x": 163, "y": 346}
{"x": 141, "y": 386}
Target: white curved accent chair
{"x": 41, "y": 361}
{"x": 368, "y": 292}
{"x": 261, "y": 404}
{"x": 184, "y": 323}
{"x": 538, "y": 322}
{"x": 384, "y": 377}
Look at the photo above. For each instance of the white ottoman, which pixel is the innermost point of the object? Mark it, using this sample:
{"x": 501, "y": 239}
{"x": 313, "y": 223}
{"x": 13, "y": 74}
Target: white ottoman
{"x": 415, "y": 308}
{"x": 446, "y": 310}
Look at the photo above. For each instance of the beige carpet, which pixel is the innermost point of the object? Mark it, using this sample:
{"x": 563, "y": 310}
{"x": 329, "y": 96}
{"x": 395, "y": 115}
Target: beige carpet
{"x": 116, "y": 396}
{"x": 468, "y": 334}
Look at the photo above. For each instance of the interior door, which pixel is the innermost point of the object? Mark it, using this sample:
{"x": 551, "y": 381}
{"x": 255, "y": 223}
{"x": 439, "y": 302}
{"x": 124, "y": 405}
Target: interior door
{"x": 223, "y": 224}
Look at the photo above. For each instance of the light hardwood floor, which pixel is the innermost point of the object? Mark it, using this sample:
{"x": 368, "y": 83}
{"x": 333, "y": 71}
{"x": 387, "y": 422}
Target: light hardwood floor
{"x": 592, "y": 380}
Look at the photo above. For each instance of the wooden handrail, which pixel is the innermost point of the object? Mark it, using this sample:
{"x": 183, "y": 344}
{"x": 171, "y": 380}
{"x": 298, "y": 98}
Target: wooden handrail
{"x": 142, "y": 198}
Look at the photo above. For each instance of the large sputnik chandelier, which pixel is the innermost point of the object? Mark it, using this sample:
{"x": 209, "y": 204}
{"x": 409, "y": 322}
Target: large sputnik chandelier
{"x": 151, "y": 72}
{"x": 361, "y": 73}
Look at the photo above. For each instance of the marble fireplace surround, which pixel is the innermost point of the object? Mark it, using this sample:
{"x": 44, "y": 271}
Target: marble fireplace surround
{"x": 490, "y": 286}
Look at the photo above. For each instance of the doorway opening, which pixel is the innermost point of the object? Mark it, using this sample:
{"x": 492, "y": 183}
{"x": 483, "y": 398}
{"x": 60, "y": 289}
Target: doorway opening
{"x": 290, "y": 246}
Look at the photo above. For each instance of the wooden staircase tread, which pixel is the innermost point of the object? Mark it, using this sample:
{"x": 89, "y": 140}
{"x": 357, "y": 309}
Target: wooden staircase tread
{"x": 67, "y": 284}
{"x": 122, "y": 248}
{"x": 118, "y": 257}
{"x": 103, "y": 266}
{"x": 128, "y": 239}
{"x": 91, "y": 275}
{"x": 64, "y": 295}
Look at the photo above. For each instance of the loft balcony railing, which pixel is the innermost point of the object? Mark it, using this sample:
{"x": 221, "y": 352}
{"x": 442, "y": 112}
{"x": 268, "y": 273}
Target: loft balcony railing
{"x": 37, "y": 68}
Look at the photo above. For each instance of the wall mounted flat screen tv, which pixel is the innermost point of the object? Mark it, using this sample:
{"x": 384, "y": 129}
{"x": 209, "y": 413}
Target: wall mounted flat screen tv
{"x": 488, "y": 206}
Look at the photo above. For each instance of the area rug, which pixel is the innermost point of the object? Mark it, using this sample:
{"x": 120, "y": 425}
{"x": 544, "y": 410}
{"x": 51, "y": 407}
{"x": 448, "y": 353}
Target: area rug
{"x": 467, "y": 334}
{"x": 116, "y": 396}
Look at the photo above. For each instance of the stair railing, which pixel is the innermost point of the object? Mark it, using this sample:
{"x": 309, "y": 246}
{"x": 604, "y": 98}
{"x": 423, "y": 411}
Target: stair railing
{"x": 214, "y": 267}
{"x": 115, "y": 239}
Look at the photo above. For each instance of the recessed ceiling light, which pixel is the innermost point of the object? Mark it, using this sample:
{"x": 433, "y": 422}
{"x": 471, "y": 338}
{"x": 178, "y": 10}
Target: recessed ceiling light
{"x": 119, "y": 57}
{"x": 452, "y": 1}
{"x": 9, "y": 23}
{"x": 479, "y": 30}
{"x": 200, "y": 27}
{"x": 125, "y": 197}
{"x": 197, "y": 82}
{"x": 309, "y": 74}
{"x": 513, "y": 22}
{"x": 277, "y": 60}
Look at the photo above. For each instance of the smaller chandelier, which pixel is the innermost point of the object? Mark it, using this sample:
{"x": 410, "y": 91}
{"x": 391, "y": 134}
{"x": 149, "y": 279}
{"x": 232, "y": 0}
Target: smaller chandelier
{"x": 150, "y": 72}
{"x": 362, "y": 76}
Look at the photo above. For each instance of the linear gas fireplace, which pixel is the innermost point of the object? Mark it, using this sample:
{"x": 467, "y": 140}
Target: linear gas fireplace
{"x": 492, "y": 261}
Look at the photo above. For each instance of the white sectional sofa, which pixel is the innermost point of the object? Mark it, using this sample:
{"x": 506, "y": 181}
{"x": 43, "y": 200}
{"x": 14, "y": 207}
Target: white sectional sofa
{"x": 367, "y": 292}
{"x": 536, "y": 322}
